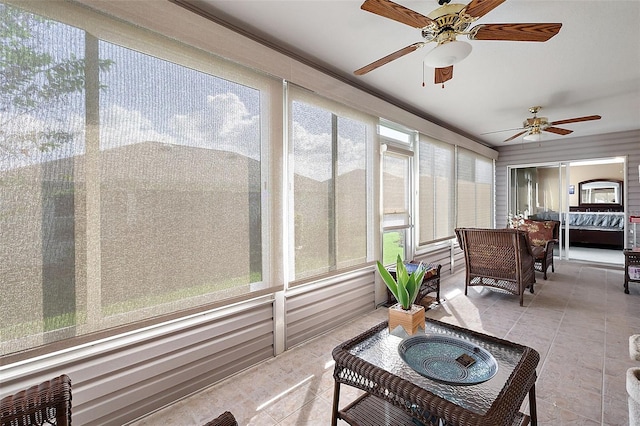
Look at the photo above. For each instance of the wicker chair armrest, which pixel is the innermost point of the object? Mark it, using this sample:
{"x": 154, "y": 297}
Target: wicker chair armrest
{"x": 224, "y": 419}
{"x": 38, "y": 405}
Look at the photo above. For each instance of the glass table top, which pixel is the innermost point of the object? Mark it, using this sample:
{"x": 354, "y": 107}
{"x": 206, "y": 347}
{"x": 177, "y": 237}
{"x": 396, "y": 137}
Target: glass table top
{"x": 381, "y": 350}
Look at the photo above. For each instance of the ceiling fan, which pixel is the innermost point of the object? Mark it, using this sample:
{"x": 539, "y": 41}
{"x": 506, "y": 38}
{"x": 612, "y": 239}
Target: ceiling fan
{"x": 447, "y": 22}
{"x": 534, "y": 126}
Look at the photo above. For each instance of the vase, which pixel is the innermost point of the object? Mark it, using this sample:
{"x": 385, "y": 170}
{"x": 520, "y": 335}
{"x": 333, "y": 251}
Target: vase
{"x": 410, "y": 319}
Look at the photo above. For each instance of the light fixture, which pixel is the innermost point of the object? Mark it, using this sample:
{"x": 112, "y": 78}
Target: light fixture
{"x": 534, "y": 136}
{"x": 447, "y": 53}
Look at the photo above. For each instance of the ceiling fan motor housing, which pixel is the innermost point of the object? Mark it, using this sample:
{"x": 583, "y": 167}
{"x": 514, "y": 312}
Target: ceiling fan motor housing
{"x": 447, "y": 21}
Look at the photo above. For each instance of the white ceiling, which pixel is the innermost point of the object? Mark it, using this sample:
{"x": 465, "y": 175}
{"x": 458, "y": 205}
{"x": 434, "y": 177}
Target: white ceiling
{"x": 591, "y": 67}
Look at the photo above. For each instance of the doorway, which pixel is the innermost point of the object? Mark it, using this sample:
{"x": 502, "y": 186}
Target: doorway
{"x": 551, "y": 192}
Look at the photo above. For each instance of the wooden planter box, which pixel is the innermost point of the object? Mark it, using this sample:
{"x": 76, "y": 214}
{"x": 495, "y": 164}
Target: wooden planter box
{"x": 410, "y": 320}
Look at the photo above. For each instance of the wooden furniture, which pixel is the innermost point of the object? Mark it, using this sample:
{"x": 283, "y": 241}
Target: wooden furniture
{"x": 600, "y": 192}
{"x": 631, "y": 259}
{"x": 596, "y": 226}
{"x": 48, "y": 403}
{"x": 430, "y": 281}
{"x": 397, "y": 395}
{"x": 500, "y": 258}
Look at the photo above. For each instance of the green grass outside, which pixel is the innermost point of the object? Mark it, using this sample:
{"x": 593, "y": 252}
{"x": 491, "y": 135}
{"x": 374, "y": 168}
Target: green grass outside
{"x": 392, "y": 246}
{"x": 58, "y": 322}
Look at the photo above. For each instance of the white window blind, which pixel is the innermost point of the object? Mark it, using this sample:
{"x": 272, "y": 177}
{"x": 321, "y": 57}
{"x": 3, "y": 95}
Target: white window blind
{"x": 436, "y": 190}
{"x": 474, "y": 190}
{"x": 329, "y": 147}
{"x": 130, "y": 183}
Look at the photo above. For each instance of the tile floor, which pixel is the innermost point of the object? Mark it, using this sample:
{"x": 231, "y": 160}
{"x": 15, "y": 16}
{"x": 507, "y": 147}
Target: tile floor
{"x": 579, "y": 320}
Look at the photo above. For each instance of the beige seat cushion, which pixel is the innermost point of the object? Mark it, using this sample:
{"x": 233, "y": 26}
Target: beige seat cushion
{"x": 633, "y": 383}
{"x": 634, "y": 347}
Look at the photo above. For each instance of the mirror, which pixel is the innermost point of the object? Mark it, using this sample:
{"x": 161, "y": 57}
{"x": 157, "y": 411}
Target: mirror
{"x": 598, "y": 191}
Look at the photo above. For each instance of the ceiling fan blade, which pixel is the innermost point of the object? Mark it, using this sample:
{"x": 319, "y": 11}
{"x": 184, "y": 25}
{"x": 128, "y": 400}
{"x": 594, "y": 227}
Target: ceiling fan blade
{"x": 395, "y": 55}
{"x": 500, "y": 131}
{"x": 576, "y": 120}
{"x": 443, "y": 74}
{"x": 515, "y": 136}
{"x": 397, "y": 12}
{"x": 479, "y": 8}
{"x": 558, "y": 130}
{"x": 515, "y": 32}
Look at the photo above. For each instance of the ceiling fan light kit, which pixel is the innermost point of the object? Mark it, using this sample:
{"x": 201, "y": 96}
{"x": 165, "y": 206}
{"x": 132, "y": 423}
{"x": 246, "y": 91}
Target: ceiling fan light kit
{"x": 447, "y": 53}
{"x": 447, "y": 22}
{"x": 533, "y": 137}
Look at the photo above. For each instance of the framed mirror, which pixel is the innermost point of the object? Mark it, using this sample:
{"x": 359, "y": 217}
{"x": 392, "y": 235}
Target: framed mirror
{"x": 600, "y": 192}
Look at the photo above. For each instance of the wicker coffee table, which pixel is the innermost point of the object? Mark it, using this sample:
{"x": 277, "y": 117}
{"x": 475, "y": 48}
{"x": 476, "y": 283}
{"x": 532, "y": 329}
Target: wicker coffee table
{"x": 397, "y": 395}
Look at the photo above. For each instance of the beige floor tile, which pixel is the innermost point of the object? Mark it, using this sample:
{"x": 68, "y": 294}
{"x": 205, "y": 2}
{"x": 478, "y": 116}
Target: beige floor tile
{"x": 579, "y": 320}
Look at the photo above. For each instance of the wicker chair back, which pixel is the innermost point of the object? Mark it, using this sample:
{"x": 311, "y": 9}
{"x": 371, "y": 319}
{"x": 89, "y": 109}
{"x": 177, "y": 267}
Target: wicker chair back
{"x": 498, "y": 258}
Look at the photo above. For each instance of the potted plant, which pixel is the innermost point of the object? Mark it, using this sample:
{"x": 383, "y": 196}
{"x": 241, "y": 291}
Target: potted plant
{"x": 405, "y": 288}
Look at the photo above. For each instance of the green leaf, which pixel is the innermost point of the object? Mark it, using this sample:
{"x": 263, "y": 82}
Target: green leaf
{"x": 403, "y": 297}
{"x": 412, "y": 289}
{"x": 401, "y": 272}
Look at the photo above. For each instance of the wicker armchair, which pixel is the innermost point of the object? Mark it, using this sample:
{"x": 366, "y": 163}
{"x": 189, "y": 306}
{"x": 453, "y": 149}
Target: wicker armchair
{"x": 224, "y": 419}
{"x": 499, "y": 258}
{"x": 46, "y": 404}
{"x": 543, "y": 236}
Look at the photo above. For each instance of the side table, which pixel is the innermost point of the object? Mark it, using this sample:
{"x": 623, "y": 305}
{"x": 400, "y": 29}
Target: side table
{"x": 430, "y": 281}
{"x": 631, "y": 267}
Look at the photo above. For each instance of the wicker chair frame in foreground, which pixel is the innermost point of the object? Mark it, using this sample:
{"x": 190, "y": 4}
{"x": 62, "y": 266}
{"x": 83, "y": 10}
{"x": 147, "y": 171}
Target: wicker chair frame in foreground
{"x": 224, "y": 419}
{"x": 48, "y": 403}
{"x": 499, "y": 258}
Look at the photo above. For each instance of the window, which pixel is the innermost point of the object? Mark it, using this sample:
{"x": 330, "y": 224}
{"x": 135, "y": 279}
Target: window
{"x": 436, "y": 190}
{"x": 396, "y": 206}
{"x": 397, "y": 191}
{"x": 474, "y": 190}
{"x": 329, "y": 146}
{"x": 130, "y": 184}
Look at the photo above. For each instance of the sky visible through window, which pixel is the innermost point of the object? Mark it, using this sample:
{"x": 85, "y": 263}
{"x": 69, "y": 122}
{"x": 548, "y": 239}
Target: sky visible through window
{"x": 147, "y": 99}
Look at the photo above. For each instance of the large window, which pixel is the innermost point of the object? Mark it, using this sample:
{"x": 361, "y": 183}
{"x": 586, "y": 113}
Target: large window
{"x": 130, "y": 185}
{"x": 474, "y": 190}
{"x": 436, "y": 190}
{"x": 329, "y": 147}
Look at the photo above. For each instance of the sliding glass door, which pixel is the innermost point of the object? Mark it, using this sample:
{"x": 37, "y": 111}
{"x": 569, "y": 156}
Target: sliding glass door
{"x": 536, "y": 192}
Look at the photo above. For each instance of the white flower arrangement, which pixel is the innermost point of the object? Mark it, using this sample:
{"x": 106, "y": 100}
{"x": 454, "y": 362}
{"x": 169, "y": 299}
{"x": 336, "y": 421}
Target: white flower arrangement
{"x": 515, "y": 221}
